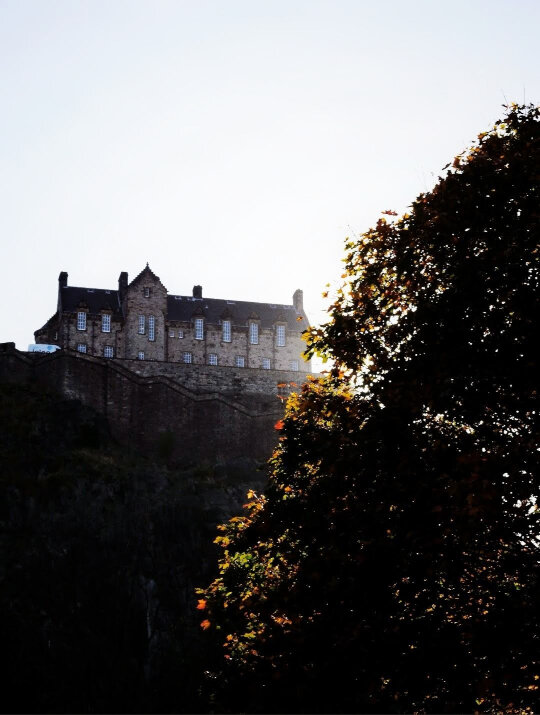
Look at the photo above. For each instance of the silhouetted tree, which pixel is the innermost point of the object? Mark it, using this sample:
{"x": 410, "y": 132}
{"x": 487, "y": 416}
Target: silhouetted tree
{"x": 392, "y": 563}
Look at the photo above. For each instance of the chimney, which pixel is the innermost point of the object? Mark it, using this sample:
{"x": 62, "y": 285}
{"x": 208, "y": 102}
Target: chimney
{"x": 122, "y": 285}
{"x": 298, "y": 300}
{"x": 197, "y": 292}
{"x": 62, "y": 283}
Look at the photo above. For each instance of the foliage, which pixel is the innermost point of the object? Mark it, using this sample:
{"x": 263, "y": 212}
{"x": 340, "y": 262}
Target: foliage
{"x": 392, "y": 564}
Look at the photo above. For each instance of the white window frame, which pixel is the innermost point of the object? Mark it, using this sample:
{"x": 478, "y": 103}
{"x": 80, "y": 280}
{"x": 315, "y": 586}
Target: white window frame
{"x": 240, "y": 361}
{"x": 199, "y": 329}
{"x": 180, "y": 334}
{"x": 266, "y": 364}
{"x": 212, "y": 359}
{"x": 253, "y": 333}
{"x": 293, "y": 365}
{"x": 280, "y": 336}
{"x": 171, "y": 333}
{"x": 187, "y": 358}
{"x": 106, "y": 323}
{"x": 142, "y": 325}
{"x": 140, "y": 355}
{"x": 81, "y": 348}
{"x": 226, "y": 331}
{"x": 81, "y": 320}
{"x": 151, "y": 328}
{"x": 108, "y": 351}
{"x": 147, "y": 292}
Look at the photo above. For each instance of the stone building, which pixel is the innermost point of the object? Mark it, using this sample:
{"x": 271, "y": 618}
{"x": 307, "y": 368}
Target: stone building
{"x": 141, "y": 321}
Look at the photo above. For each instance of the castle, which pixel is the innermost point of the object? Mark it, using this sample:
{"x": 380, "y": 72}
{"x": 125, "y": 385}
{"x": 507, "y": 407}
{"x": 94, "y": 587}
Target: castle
{"x": 141, "y": 321}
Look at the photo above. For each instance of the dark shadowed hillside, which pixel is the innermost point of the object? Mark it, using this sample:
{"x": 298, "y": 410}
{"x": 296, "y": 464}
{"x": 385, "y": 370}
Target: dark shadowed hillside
{"x": 101, "y": 551}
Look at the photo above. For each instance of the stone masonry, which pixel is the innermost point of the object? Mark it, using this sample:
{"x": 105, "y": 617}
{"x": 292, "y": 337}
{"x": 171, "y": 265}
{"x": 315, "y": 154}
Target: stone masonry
{"x": 141, "y": 321}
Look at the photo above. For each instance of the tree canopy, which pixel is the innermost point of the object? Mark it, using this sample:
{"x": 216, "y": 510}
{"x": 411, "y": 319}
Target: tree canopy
{"x": 392, "y": 563}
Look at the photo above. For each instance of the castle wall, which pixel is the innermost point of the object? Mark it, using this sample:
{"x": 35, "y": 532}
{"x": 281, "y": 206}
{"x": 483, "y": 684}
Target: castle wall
{"x": 203, "y": 413}
{"x": 145, "y": 297}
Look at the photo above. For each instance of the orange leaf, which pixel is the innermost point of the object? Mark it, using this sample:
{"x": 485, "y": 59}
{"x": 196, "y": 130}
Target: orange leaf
{"x": 205, "y": 625}
{"x": 201, "y": 605}
{"x": 279, "y": 424}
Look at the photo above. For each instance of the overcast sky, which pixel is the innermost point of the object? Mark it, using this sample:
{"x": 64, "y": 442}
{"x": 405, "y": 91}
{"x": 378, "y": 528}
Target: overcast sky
{"x": 231, "y": 143}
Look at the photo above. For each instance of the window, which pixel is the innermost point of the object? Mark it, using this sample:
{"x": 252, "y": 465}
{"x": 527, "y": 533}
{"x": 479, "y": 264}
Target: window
{"x": 199, "y": 328}
{"x": 254, "y": 333}
{"x": 147, "y": 292}
{"x": 180, "y": 334}
{"x": 105, "y": 323}
{"x": 293, "y": 365}
{"x": 212, "y": 359}
{"x": 81, "y": 321}
{"x": 280, "y": 335}
{"x": 171, "y": 333}
{"x": 239, "y": 362}
{"x": 266, "y": 363}
{"x": 140, "y": 356}
{"x": 226, "y": 331}
{"x": 151, "y": 327}
{"x": 81, "y": 348}
{"x": 108, "y": 351}
{"x": 141, "y": 326}
{"x": 187, "y": 358}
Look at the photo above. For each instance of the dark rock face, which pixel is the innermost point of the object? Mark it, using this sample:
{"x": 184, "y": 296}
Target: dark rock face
{"x": 101, "y": 551}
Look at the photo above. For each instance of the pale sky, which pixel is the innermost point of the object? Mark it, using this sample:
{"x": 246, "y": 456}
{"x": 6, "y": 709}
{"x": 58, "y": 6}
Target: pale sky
{"x": 232, "y": 143}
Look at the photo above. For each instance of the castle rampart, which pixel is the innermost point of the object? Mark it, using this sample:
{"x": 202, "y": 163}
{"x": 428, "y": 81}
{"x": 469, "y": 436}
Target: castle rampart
{"x": 203, "y": 413}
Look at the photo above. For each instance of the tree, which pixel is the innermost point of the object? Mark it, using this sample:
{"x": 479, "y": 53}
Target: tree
{"x": 392, "y": 563}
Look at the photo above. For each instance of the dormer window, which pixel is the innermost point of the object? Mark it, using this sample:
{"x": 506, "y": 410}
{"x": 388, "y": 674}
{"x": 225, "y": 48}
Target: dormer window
{"x": 280, "y": 336}
{"x": 254, "y": 333}
{"x": 199, "y": 328}
{"x": 81, "y": 320}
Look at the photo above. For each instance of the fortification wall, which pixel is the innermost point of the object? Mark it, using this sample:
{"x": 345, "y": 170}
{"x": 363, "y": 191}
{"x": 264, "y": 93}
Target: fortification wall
{"x": 195, "y": 412}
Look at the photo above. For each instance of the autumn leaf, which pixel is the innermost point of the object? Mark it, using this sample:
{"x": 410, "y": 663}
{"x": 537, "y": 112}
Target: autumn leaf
{"x": 279, "y": 425}
{"x": 205, "y": 625}
{"x": 201, "y": 604}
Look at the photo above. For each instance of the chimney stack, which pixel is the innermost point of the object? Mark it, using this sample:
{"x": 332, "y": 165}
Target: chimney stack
{"x": 122, "y": 285}
{"x": 62, "y": 283}
{"x": 298, "y": 300}
{"x": 197, "y": 292}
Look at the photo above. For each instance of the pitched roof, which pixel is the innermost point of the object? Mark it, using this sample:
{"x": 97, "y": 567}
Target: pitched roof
{"x": 183, "y": 308}
{"x": 146, "y": 271}
{"x": 95, "y": 299}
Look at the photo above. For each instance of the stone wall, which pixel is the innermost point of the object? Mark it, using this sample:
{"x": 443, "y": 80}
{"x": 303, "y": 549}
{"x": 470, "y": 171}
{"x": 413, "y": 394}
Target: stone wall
{"x": 196, "y": 412}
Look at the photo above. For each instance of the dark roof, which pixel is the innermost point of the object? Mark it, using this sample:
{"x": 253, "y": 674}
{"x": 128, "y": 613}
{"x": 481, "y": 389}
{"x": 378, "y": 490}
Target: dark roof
{"x": 95, "y": 299}
{"x": 52, "y": 322}
{"x": 183, "y": 308}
